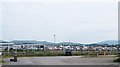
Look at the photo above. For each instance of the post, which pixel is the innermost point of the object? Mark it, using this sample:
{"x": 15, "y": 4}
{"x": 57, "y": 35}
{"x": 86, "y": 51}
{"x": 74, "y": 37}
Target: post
{"x": 97, "y": 53}
{"x": 104, "y": 53}
{"x": 110, "y": 50}
{"x": 54, "y": 38}
{"x": 118, "y": 47}
{"x": 15, "y": 58}
{"x": 8, "y": 49}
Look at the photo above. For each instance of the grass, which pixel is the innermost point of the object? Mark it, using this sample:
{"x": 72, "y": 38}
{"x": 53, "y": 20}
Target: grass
{"x": 57, "y": 53}
{"x": 1, "y": 62}
{"x": 118, "y": 59}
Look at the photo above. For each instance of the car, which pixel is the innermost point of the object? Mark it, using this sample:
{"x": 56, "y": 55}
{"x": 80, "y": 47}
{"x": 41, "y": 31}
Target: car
{"x": 68, "y": 52}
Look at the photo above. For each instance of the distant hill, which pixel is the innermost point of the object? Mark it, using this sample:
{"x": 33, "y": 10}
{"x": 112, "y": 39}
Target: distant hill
{"x": 69, "y": 43}
{"x": 109, "y": 42}
{"x": 30, "y": 42}
{"x": 1, "y": 41}
{"x": 18, "y": 42}
{"x": 24, "y": 42}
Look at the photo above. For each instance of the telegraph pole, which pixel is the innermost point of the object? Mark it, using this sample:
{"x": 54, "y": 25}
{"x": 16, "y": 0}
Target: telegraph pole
{"x": 54, "y": 39}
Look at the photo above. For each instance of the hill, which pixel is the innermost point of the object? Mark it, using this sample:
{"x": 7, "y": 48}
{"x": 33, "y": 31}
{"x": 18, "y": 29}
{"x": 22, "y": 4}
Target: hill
{"x": 109, "y": 42}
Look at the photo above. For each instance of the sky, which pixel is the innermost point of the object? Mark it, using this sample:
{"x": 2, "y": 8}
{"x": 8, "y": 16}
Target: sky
{"x": 75, "y": 21}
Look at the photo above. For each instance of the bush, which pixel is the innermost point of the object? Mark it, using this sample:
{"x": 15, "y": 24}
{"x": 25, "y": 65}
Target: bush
{"x": 117, "y": 60}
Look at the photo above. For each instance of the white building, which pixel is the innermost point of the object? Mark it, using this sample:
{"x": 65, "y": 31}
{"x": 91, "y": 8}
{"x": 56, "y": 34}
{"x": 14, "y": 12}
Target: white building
{"x": 3, "y": 45}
